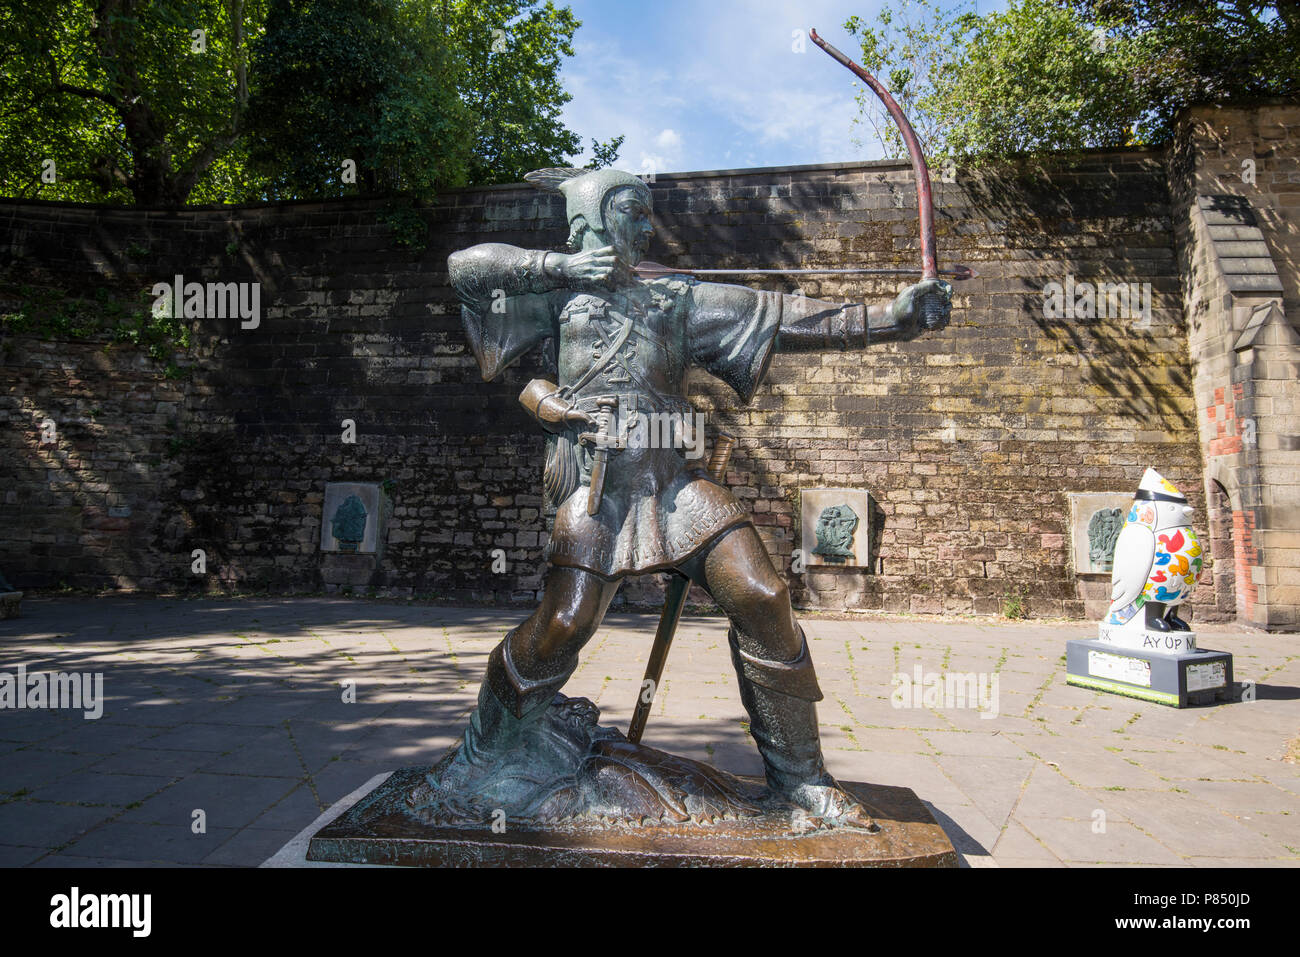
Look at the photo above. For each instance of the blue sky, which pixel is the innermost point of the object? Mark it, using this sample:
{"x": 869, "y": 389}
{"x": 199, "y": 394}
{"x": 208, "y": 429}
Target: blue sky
{"x": 695, "y": 84}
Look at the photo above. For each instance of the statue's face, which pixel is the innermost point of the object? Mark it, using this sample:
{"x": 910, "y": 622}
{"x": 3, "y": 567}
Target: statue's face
{"x": 627, "y": 224}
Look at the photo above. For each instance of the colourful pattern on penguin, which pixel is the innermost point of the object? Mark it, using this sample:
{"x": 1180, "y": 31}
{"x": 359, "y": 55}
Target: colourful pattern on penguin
{"x": 1141, "y": 514}
{"x": 1171, "y": 556}
{"x": 1178, "y": 557}
{"x": 1127, "y": 612}
{"x": 1175, "y": 570}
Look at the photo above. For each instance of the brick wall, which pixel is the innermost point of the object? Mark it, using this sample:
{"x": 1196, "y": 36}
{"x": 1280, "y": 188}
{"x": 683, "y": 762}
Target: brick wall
{"x": 968, "y": 440}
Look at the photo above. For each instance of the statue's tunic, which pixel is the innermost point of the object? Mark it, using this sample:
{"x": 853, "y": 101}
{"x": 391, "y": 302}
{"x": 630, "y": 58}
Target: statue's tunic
{"x": 658, "y": 507}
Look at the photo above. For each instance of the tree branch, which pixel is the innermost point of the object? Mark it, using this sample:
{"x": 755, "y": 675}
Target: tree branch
{"x": 88, "y": 93}
{"x": 205, "y": 157}
{"x": 58, "y": 86}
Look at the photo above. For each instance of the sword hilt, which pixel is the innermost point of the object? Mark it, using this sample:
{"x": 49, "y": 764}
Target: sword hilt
{"x": 607, "y": 405}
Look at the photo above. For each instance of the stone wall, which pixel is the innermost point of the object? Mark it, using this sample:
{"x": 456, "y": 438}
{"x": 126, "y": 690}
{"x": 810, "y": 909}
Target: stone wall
{"x": 1236, "y": 188}
{"x": 968, "y": 441}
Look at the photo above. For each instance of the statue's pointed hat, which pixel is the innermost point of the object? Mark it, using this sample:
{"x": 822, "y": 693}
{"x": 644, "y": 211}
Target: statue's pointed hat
{"x": 584, "y": 190}
{"x": 1155, "y": 485}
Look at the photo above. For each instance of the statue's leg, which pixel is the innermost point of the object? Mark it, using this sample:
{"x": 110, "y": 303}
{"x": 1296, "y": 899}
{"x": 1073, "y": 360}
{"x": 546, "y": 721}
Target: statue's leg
{"x": 778, "y": 686}
{"x": 545, "y": 647}
{"x": 525, "y": 671}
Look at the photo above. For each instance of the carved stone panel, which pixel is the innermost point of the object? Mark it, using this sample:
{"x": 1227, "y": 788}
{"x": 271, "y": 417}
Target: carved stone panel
{"x": 836, "y": 527}
{"x": 352, "y": 519}
{"x": 1095, "y": 521}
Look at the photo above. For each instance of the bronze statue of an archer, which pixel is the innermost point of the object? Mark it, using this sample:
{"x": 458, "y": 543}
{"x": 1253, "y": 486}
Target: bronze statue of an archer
{"x": 622, "y": 347}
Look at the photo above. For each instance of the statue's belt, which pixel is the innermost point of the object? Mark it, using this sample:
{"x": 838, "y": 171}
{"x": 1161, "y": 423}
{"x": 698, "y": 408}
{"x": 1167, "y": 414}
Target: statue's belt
{"x": 629, "y": 402}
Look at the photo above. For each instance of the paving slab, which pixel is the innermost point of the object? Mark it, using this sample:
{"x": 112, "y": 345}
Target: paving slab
{"x": 44, "y": 824}
{"x": 226, "y": 800}
{"x": 143, "y": 843}
{"x": 15, "y": 855}
{"x": 112, "y": 790}
{"x": 1078, "y": 842}
{"x": 237, "y": 707}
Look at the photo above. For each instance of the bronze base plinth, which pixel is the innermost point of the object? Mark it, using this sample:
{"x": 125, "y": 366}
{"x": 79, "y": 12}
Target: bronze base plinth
{"x": 380, "y": 830}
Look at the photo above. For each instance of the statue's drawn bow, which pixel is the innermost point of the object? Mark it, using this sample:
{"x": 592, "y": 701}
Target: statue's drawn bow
{"x": 931, "y": 306}
{"x": 924, "y": 199}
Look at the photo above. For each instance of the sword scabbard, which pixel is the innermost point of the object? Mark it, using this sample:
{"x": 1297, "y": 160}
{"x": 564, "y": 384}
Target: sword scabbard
{"x": 679, "y": 587}
{"x": 608, "y": 405}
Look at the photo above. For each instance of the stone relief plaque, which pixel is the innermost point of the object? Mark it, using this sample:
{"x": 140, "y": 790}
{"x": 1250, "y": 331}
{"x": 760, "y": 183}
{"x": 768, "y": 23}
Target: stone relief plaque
{"x": 1095, "y": 522}
{"x": 835, "y": 526}
{"x": 352, "y": 518}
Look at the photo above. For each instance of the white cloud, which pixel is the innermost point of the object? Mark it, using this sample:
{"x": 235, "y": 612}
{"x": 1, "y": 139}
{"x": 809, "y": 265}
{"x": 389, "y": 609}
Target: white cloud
{"x": 726, "y": 92}
{"x": 652, "y": 165}
{"x": 668, "y": 140}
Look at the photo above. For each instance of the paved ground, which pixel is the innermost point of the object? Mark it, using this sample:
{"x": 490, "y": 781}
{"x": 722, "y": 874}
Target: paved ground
{"x": 234, "y": 708}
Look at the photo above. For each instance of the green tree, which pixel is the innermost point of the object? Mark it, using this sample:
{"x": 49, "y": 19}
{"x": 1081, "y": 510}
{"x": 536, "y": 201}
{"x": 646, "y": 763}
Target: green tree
{"x": 417, "y": 93}
{"x": 1038, "y": 76}
{"x": 130, "y": 99}
{"x": 512, "y": 53}
{"x": 1071, "y": 74}
{"x": 912, "y": 51}
{"x": 604, "y": 154}
{"x": 357, "y": 92}
{"x": 1177, "y": 53}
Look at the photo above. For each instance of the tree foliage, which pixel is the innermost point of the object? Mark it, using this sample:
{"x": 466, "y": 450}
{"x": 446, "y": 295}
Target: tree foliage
{"x": 115, "y": 93}
{"x": 604, "y": 154}
{"x": 912, "y": 50}
{"x": 355, "y": 95}
{"x": 1177, "y": 53}
{"x": 1070, "y": 74}
{"x": 511, "y": 54}
{"x": 1039, "y": 76}
{"x": 418, "y": 94}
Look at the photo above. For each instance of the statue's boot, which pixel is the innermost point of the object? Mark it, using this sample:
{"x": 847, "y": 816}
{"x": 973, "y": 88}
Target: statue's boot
{"x": 781, "y": 697}
{"x": 499, "y": 738}
{"x": 1176, "y": 623}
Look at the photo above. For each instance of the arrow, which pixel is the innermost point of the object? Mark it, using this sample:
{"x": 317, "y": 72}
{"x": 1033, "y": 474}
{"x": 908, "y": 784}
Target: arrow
{"x": 651, "y": 270}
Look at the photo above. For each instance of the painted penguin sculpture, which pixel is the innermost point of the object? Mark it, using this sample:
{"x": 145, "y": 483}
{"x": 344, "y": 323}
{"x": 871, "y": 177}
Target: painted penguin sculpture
{"x": 1157, "y": 564}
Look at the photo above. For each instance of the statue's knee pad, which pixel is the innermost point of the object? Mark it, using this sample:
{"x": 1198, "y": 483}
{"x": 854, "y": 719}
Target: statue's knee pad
{"x": 518, "y": 693}
{"x": 795, "y": 677}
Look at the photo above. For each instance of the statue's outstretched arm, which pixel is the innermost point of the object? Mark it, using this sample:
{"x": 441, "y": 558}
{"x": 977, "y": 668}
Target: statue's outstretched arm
{"x": 811, "y": 325}
{"x": 733, "y": 331}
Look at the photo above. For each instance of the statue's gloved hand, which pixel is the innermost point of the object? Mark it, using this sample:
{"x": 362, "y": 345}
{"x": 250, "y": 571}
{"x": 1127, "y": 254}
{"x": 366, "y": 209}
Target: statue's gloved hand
{"x": 555, "y": 414}
{"x": 592, "y": 266}
{"x": 579, "y": 418}
{"x": 925, "y": 305}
